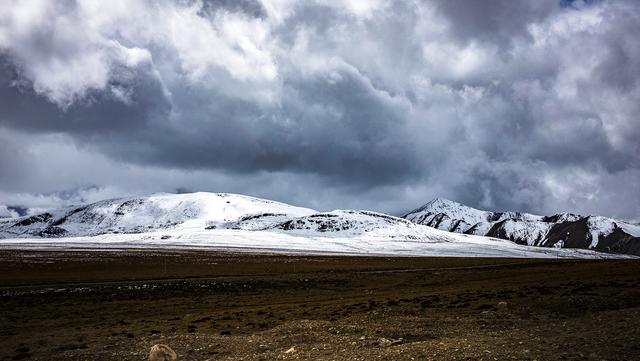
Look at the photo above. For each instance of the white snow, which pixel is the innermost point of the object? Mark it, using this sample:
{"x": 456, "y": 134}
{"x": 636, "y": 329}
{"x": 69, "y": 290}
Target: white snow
{"x": 452, "y": 211}
{"x": 455, "y": 217}
{"x": 240, "y": 223}
{"x": 533, "y": 231}
{"x": 431, "y": 242}
{"x": 602, "y": 226}
{"x": 138, "y": 214}
{"x": 607, "y": 225}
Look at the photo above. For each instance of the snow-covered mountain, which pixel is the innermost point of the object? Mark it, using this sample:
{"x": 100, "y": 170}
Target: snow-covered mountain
{"x": 563, "y": 230}
{"x": 241, "y": 223}
{"x": 142, "y": 214}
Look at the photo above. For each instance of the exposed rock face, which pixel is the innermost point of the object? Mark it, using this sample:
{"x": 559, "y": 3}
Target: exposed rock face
{"x": 162, "y": 352}
{"x": 565, "y": 230}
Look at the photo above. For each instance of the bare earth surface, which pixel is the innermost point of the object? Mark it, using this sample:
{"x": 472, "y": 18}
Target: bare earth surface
{"x": 110, "y": 305}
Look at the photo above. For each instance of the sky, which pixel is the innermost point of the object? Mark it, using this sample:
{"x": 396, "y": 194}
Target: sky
{"x": 330, "y": 104}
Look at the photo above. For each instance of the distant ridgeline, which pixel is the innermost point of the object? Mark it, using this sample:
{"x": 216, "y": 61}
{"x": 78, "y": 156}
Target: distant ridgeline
{"x": 232, "y": 221}
{"x": 564, "y": 230}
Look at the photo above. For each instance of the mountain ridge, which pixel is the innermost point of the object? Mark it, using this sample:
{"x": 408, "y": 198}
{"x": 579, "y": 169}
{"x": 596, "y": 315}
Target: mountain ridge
{"x": 562, "y": 230}
{"x": 234, "y": 222}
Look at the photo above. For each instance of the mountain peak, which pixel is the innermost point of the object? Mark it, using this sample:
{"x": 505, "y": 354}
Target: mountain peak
{"x": 579, "y": 231}
{"x": 451, "y": 208}
{"x": 443, "y": 201}
{"x": 440, "y": 204}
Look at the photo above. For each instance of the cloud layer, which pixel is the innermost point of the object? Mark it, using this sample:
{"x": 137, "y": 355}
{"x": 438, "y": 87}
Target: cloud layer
{"x": 520, "y": 105}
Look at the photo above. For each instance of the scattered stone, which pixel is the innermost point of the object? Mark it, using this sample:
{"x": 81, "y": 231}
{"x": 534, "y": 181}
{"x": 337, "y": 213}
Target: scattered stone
{"x": 162, "y": 352}
{"x": 386, "y": 342}
{"x": 291, "y": 350}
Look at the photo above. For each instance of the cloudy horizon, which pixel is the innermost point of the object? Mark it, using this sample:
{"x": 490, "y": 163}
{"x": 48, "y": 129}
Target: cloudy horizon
{"x": 528, "y": 106}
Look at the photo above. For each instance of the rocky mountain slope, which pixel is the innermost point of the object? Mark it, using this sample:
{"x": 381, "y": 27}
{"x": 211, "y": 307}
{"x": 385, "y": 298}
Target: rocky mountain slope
{"x": 563, "y": 230}
{"x": 241, "y": 223}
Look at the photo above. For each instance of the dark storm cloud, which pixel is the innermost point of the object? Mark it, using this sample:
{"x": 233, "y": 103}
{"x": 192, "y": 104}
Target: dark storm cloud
{"x": 99, "y": 113}
{"x": 497, "y": 21}
{"x": 12, "y": 161}
{"x": 351, "y": 135}
{"x": 516, "y": 105}
{"x": 248, "y": 7}
{"x": 501, "y": 184}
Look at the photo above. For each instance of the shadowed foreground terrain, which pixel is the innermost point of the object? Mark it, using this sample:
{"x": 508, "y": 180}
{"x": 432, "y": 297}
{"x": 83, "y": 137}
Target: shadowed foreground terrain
{"x": 209, "y": 305}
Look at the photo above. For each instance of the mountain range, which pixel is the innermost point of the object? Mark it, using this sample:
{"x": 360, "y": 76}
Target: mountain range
{"x": 242, "y": 223}
{"x": 563, "y": 230}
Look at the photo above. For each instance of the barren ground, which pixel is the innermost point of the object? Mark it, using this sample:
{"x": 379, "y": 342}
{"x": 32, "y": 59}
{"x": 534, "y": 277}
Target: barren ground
{"x": 110, "y": 305}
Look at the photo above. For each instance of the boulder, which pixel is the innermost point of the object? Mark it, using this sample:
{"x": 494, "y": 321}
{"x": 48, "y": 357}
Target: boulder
{"x": 161, "y": 352}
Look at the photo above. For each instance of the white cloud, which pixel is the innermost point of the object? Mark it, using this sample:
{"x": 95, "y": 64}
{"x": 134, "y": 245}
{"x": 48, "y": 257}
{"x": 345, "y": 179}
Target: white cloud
{"x": 6, "y": 212}
{"x": 68, "y": 49}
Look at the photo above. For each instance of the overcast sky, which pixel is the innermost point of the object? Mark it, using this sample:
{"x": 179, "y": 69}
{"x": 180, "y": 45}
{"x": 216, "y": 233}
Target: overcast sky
{"x": 384, "y": 105}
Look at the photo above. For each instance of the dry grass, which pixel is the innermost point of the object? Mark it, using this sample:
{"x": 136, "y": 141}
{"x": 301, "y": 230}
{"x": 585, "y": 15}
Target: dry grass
{"x": 206, "y": 305}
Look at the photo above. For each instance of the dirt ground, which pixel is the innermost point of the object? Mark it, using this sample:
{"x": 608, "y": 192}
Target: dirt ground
{"x": 114, "y": 305}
